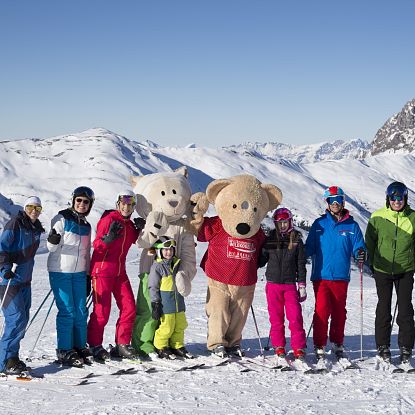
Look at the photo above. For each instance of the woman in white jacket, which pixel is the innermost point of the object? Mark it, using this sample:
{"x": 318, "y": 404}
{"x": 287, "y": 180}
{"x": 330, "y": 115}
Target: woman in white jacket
{"x": 69, "y": 245}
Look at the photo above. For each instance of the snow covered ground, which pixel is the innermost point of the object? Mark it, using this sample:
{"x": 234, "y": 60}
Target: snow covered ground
{"x": 219, "y": 390}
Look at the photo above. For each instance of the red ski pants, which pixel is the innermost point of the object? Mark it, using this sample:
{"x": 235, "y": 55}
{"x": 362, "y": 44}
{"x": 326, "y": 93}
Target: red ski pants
{"x": 330, "y": 302}
{"x": 103, "y": 288}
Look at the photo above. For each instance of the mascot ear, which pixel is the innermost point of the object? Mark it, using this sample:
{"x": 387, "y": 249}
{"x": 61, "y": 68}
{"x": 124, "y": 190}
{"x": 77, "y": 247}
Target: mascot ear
{"x": 274, "y": 195}
{"x": 182, "y": 170}
{"x": 215, "y": 187}
{"x": 134, "y": 180}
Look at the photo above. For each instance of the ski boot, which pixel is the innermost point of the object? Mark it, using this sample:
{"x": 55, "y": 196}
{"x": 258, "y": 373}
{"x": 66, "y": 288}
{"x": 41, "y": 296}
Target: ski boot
{"x": 406, "y": 354}
{"x": 338, "y": 350}
{"x": 166, "y": 353}
{"x": 299, "y": 354}
{"x": 124, "y": 351}
{"x": 319, "y": 352}
{"x": 384, "y": 353}
{"x": 280, "y": 352}
{"x": 100, "y": 354}
{"x": 235, "y": 351}
{"x": 220, "y": 351}
{"x": 69, "y": 358}
{"x": 86, "y": 354}
{"x": 182, "y": 352}
{"x": 14, "y": 366}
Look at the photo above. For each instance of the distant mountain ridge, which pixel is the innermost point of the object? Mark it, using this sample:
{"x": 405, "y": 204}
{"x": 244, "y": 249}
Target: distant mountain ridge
{"x": 52, "y": 167}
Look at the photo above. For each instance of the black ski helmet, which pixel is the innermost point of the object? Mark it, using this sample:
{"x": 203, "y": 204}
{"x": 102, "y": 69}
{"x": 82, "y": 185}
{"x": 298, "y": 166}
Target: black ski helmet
{"x": 396, "y": 189}
{"x": 86, "y": 192}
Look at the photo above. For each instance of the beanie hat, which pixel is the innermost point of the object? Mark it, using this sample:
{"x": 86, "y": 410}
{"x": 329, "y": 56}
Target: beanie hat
{"x": 32, "y": 200}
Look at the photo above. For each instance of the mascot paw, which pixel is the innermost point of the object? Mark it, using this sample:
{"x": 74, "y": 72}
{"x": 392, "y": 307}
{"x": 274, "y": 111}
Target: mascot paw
{"x": 200, "y": 204}
{"x": 157, "y": 223}
{"x": 184, "y": 286}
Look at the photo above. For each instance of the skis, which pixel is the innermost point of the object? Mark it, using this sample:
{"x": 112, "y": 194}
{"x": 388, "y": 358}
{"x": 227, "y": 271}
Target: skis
{"x": 387, "y": 366}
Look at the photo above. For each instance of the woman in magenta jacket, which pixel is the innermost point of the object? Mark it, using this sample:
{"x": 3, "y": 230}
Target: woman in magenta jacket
{"x": 115, "y": 235}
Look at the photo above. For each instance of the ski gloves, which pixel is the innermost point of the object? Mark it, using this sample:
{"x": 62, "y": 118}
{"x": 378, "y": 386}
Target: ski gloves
{"x": 9, "y": 275}
{"x": 54, "y": 238}
{"x": 361, "y": 257}
{"x": 139, "y": 223}
{"x": 114, "y": 232}
{"x": 302, "y": 293}
{"x": 156, "y": 310}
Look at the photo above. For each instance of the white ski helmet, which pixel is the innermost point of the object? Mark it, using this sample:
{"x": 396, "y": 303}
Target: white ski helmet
{"x": 127, "y": 196}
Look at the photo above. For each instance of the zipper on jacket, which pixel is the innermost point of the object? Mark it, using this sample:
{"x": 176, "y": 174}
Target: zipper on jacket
{"x": 394, "y": 243}
{"x": 122, "y": 248}
{"x": 79, "y": 244}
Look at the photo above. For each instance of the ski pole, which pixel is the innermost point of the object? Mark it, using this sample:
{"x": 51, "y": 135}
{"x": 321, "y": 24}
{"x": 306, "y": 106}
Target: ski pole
{"x": 257, "y": 332}
{"x": 396, "y": 306}
{"x": 89, "y": 301}
{"x": 309, "y": 330}
{"x": 266, "y": 348}
{"x": 361, "y": 312}
{"x": 40, "y": 331}
{"x": 1, "y": 306}
{"x": 38, "y": 310}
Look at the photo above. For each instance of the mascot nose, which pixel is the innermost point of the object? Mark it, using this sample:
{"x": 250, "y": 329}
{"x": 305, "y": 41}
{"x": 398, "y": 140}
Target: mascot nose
{"x": 173, "y": 203}
{"x": 245, "y": 205}
{"x": 243, "y": 228}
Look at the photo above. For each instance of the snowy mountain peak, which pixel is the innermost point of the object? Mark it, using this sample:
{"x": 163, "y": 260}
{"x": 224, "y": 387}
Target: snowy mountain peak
{"x": 398, "y": 132}
{"x": 335, "y": 150}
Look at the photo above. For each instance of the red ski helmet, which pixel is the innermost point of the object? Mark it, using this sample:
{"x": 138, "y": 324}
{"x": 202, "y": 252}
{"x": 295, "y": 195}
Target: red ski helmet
{"x": 283, "y": 214}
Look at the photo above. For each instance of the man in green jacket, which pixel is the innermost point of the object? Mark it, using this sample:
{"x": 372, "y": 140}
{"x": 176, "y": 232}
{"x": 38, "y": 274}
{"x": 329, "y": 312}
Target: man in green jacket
{"x": 390, "y": 242}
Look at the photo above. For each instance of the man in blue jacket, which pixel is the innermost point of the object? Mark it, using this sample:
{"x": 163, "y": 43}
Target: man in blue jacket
{"x": 18, "y": 245}
{"x": 333, "y": 239}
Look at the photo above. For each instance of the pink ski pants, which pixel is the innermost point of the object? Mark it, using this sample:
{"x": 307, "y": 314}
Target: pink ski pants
{"x": 278, "y": 297}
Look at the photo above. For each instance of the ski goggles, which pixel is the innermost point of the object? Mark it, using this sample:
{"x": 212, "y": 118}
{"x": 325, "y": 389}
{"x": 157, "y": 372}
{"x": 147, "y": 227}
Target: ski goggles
{"x": 396, "y": 198}
{"x": 85, "y": 202}
{"x": 335, "y": 199}
{"x": 167, "y": 244}
{"x": 127, "y": 199}
{"x": 31, "y": 208}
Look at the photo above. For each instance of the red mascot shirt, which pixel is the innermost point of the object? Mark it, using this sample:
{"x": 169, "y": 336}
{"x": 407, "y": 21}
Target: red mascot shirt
{"x": 229, "y": 260}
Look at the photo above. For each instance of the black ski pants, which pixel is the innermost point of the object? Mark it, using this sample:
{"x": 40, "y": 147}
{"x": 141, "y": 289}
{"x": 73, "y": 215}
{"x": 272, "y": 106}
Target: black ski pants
{"x": 403, "y": 286}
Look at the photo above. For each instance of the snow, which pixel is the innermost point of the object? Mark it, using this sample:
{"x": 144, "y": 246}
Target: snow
{"x": 220, "y": 390}
{"x": 53, "y": 167}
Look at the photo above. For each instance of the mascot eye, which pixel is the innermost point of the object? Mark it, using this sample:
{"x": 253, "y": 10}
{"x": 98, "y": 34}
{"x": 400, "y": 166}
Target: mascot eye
{"x": 255, "y": 209}
{"x": 234, "y": 206}
{"x": 174, "y": 192}
{"x": 163, "y": 193}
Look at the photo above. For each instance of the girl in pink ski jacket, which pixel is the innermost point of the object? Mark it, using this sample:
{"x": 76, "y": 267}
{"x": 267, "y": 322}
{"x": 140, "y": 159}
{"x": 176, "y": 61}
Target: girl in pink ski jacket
{"x": 286, "y": 280}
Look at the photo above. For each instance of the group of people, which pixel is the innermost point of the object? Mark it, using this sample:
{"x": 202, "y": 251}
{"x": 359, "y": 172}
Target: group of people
{"x": 389, "y": 249}
{"x": 334, "y": 238}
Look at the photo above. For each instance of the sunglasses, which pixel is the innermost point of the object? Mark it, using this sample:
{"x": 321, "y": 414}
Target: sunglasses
{"x": 31, "y": 208}
{"x": 335, "y": 199}
{"x": 167, "y": 244}
{"x": 127, "y": 200}
{"x": 85, "y": 202}
{"x": 396, "y": 198}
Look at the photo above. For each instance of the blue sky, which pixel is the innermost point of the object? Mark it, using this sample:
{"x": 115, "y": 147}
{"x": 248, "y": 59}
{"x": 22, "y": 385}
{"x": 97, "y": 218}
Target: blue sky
{"x": 207, "y": 72}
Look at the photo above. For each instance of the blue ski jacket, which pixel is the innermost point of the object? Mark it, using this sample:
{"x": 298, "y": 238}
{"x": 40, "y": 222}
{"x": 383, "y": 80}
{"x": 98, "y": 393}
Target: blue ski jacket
{"x": 331, "y": 244}
{"x": 18, "y": 245}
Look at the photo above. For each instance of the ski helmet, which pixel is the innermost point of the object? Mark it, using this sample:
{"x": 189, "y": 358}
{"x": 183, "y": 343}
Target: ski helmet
{"x": 396, "y": 191}
{"x": 282, "y": 214}
{"x": 86, "y": 192}
{"x": 164, "y": 242}
{"x": 127, "y": 196}
{"x": 334, "y": 192}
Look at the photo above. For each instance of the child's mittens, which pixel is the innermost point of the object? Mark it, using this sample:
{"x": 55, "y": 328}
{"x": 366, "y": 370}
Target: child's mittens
{"x": 156, "y": 310}
{"x": 302, "y": 292}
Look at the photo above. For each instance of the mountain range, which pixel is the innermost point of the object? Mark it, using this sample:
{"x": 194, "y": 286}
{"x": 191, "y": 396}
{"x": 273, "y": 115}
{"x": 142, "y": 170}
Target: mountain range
{"x": 52, "y": 167}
